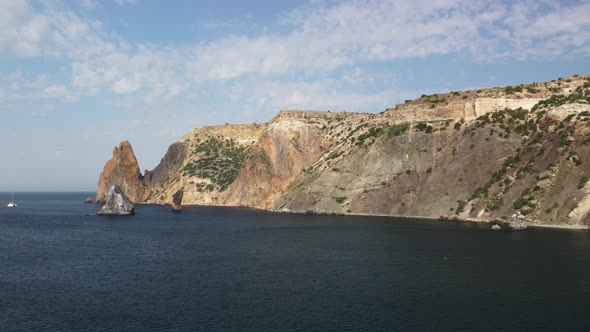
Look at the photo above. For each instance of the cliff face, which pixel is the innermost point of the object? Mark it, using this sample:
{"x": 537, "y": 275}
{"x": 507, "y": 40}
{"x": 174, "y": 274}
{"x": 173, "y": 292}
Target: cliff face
{"x": 122, "y": 170}
{"x": 203, "y": 164}
{"x": 291, "y": 142}
{"x": 480, "y": 154}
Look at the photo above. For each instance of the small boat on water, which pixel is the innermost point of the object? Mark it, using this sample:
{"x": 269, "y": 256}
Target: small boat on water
{"x": 12, "y": 203}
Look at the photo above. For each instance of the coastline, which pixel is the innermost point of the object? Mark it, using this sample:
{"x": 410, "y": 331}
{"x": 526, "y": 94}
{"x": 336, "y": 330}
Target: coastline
{"x": 570, "y": 227}
{"x": 451, "y": 219}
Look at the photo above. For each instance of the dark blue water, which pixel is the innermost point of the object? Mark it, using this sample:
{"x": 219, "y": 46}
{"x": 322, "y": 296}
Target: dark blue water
{"x": 63, "y": 268}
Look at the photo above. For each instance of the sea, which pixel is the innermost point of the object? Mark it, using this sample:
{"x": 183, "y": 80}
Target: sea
{"x": 62, "y": 268}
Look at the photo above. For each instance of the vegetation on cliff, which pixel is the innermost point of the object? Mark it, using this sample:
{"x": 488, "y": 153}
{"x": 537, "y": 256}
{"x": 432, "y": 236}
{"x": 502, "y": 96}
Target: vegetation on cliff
{"x": 480, "y": 154}
{"x": 219, "y": 160}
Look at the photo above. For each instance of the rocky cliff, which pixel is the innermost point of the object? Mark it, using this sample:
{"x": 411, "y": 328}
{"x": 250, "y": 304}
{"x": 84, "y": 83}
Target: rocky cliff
{"x": 480, "y": 154}
{"x": 122, "y": 170}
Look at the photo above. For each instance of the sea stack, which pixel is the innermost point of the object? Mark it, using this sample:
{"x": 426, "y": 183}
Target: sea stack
{"x": 117, "y": 204}
{"x": 122, "y": 170}
{"x": 177, "y": 201}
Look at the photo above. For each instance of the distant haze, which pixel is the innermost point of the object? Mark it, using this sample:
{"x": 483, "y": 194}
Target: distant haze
{"x": 78, "y": 77}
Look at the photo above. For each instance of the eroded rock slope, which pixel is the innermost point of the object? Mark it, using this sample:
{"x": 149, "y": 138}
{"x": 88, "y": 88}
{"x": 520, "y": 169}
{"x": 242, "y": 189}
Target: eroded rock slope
{"x": 480, "y": 154}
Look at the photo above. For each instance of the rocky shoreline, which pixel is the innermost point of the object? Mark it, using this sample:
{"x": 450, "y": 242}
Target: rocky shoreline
{"x": 502, "y": 223}
{"x": 480, "y": 155}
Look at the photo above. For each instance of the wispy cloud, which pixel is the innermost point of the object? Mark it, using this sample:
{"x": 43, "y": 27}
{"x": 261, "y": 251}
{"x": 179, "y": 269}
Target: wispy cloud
{"x": 318, "y": 40}
{"x": 125, "y": 2}
{"x": 89, "y": 4}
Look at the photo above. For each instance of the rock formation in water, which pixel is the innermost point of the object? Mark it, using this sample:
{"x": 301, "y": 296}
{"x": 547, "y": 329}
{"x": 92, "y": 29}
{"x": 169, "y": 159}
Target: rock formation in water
{"x": 89, "y": 200}
{"x": 471, "y": 155}
{"x": 122, "y": 170}
{"x": 177, "y": 201}
{"x": 117, "y": 204}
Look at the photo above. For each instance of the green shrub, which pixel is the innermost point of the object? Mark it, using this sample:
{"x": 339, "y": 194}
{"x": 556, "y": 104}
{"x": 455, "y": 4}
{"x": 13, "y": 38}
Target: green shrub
{"x": 219, "y": 162}
{"x": 373, "y": 132}
{"x": 421, "y": 126}
{"x": 461, "y": 206}
{"x": 520, "y": 203}
{"x": 340, "y": 199}
{"x": 334, "y": 154}
{"x": 397, "y": 130}
{"x": 495, "y": 203}
{"x": 583, "y": 180}
{"x": 512, "y": 89}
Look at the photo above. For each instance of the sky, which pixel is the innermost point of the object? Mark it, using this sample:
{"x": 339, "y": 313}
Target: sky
{"x": 80, "y": 76}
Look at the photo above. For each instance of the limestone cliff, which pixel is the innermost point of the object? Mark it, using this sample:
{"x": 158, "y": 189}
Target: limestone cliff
{"x": 480, "y": 154}
{"x": 290, "y": 144}
{"x": 122, "y": 170}
{"x": 202, "y": 164}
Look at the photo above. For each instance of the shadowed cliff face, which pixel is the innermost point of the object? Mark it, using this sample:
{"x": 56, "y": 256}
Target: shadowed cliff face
{"x": 122, "y": 170}
{"x": 480, "y": 154}
{"x": 169, "y": 166}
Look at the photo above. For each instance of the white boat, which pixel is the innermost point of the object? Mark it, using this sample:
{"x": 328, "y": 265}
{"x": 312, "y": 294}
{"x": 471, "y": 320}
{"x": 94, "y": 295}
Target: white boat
{"x": 12, "y": 203}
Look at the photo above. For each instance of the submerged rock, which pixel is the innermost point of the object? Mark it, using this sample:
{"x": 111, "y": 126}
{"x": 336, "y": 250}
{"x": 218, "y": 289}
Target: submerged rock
{"x": 496, "y": 227}
{"x": 117, "y": 204}
{"x": 89, "y": 200}
{"x": 177, "y": 201}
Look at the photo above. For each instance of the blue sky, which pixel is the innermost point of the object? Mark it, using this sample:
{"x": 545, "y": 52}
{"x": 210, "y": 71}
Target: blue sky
{"x": 80, "y": 76}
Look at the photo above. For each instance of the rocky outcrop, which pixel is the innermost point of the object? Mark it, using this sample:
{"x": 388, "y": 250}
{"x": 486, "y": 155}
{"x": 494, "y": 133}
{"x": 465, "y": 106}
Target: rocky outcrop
{"x": 289, "y": 145}
{"x": 117, "y": 204}
{"x": 177, "y": 201}
{"x": 122, "y": 170}
{"x": 467, "y": 109}
{"x": 473, "y": 155}
{"x": 517, "y": 225}
{"x": 89, "y": 200}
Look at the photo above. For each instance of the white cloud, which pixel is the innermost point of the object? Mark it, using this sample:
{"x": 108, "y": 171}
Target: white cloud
{"x": 328, "y": 37}
{"x": 319, "y": 40}
{"x": 125, "y": 2}
{"x": 89, "y": 4}
{"x": 53, "y": 31}
{"x": 125, "y": 86}
{"x": 21, "y": 30}
{"x": 55, "y": 90}
{"x": 60, "y": 92}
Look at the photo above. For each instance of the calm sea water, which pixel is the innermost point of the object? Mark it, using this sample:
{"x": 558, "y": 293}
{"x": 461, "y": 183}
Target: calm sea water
{"x": 63, "y": 268}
